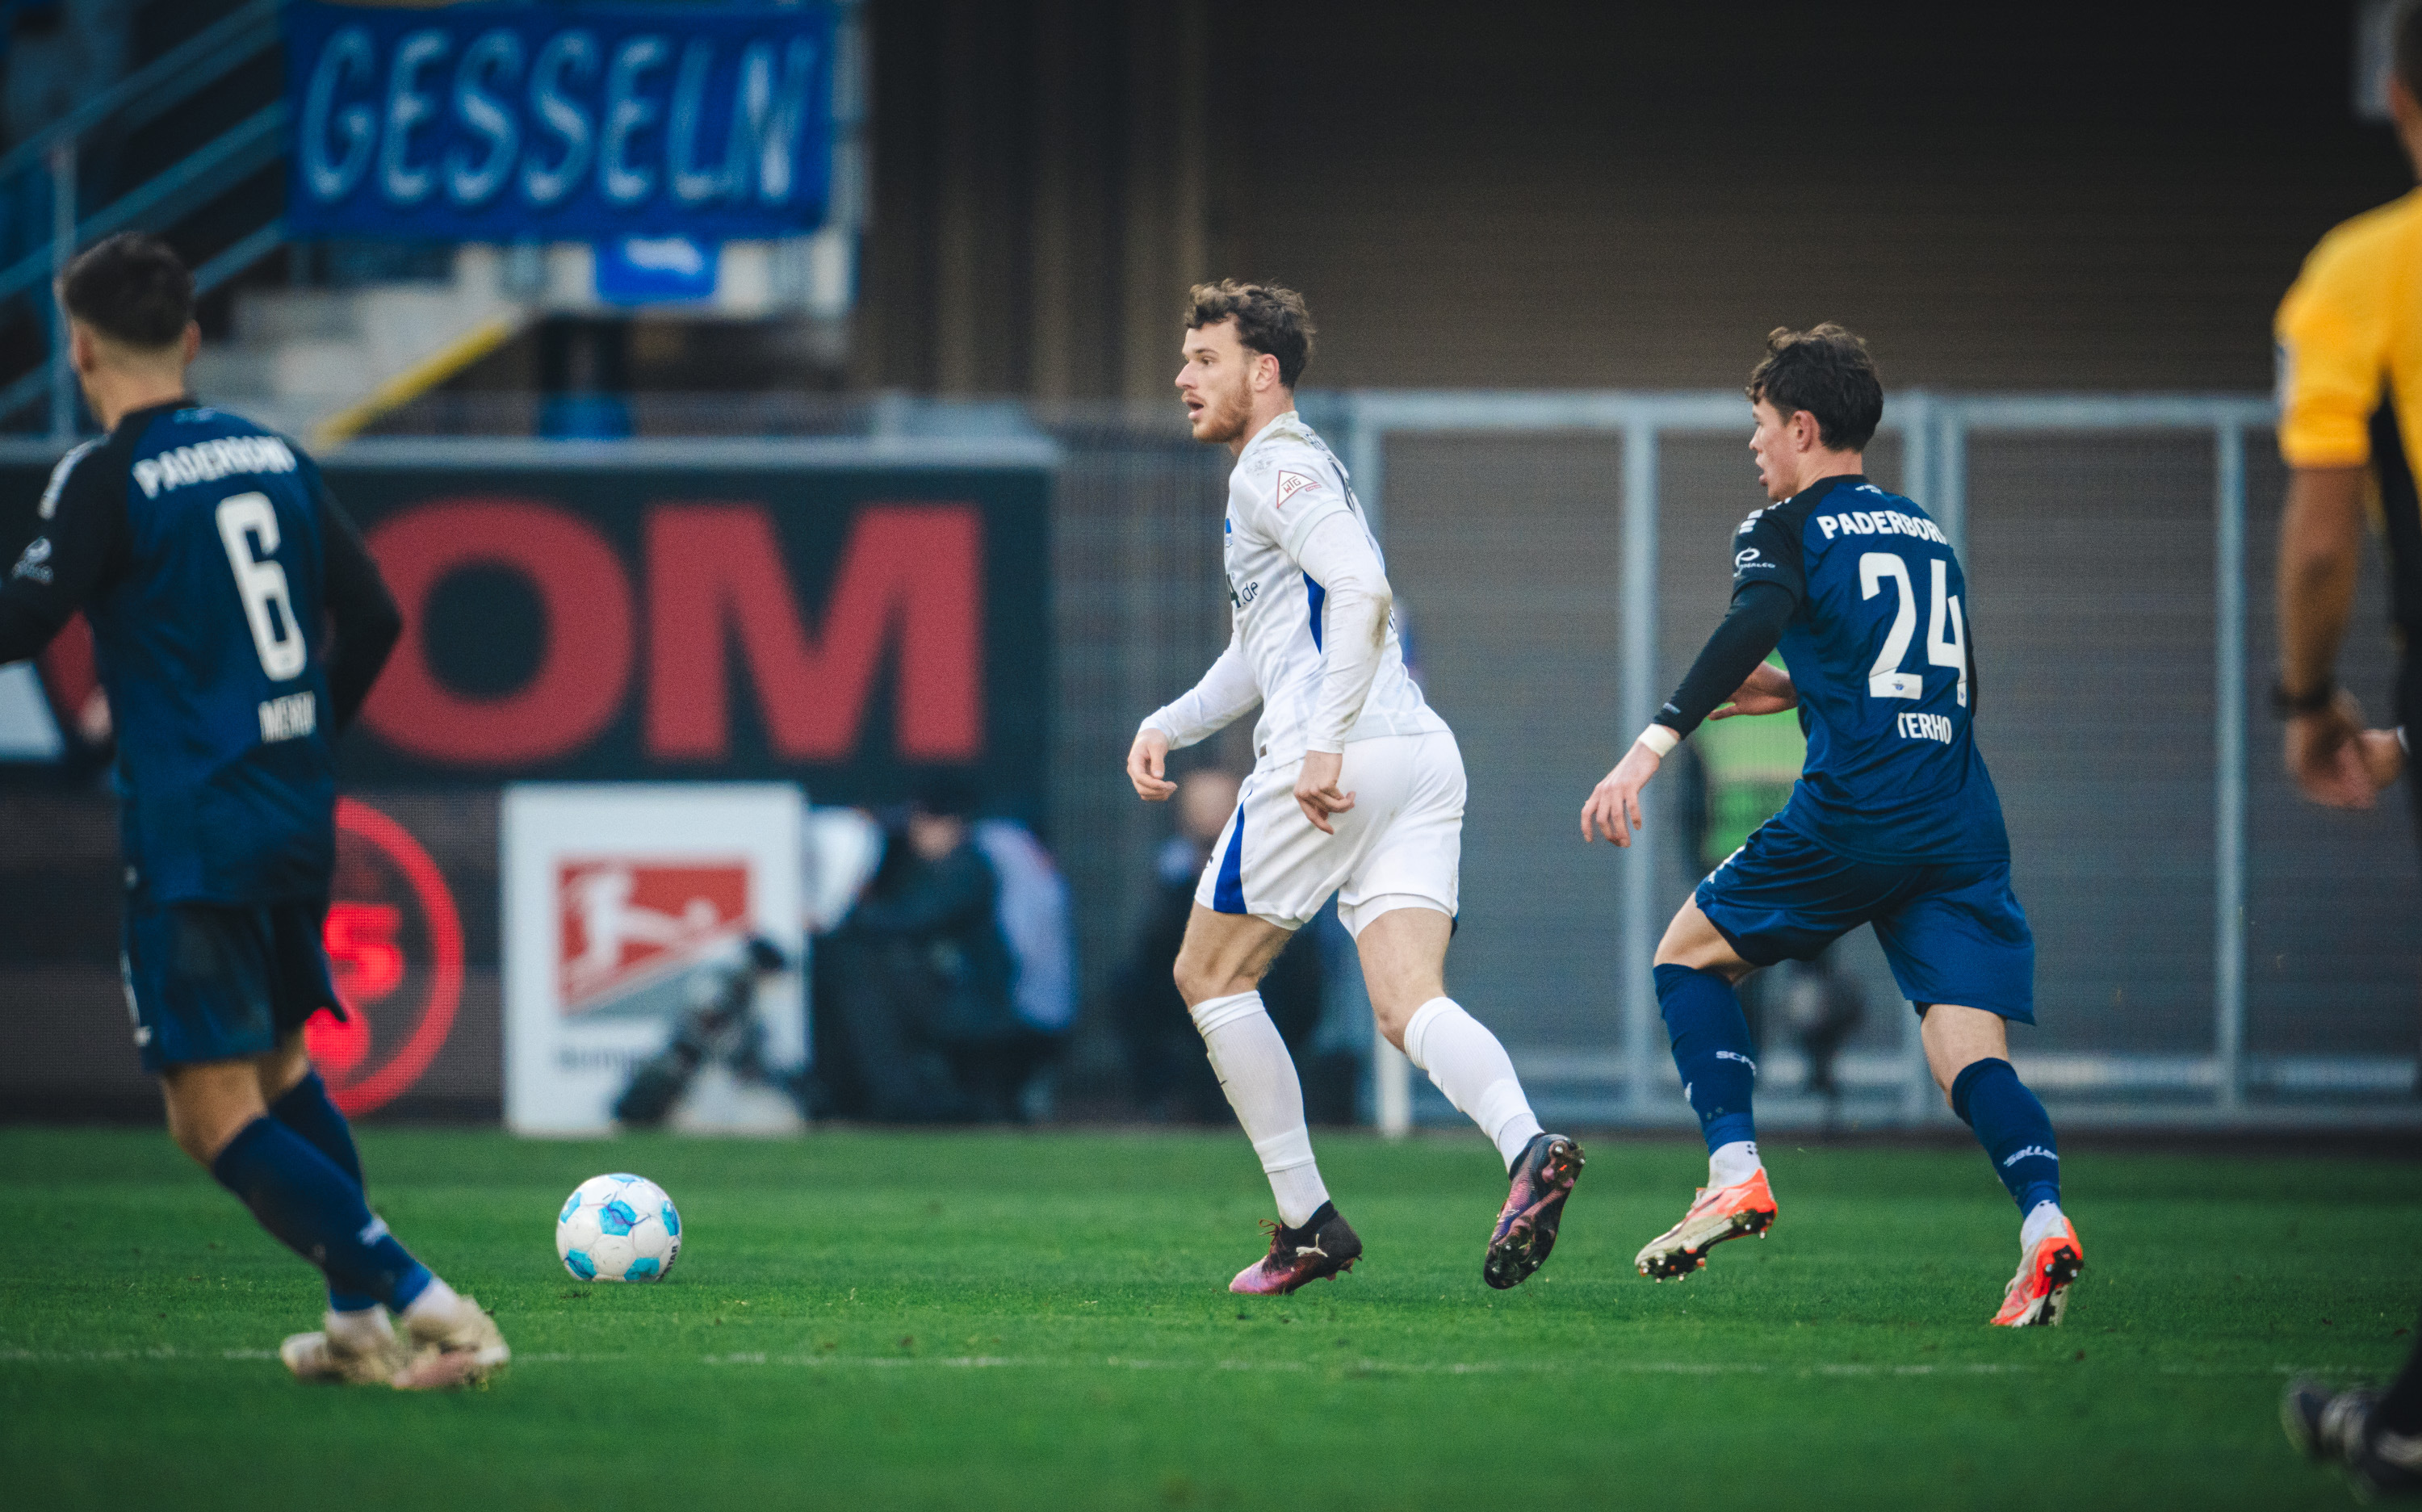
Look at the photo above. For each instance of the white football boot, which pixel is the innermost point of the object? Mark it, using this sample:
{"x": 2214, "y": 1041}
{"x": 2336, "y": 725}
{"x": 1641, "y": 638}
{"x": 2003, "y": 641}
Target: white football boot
{"x": 350, "y": 1348}
{"x": 452, "y": 1341}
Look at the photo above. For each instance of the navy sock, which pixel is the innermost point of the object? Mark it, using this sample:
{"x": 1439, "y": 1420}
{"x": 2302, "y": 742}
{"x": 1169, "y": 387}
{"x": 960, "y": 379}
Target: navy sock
{"x": 310, "y": 1205}
{"x": 1712, "y": 1051}
{"x": 305, "y": 1108}
{"x": 2011, "y": 1125}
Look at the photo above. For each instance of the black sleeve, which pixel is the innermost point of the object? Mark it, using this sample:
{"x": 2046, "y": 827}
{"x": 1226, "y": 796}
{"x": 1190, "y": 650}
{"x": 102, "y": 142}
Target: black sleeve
{"x": 79, "y": 543}
{"x": 1751, "y": 630}
{"x": 1767, "y": 549}
{"x": 367, "y": 622}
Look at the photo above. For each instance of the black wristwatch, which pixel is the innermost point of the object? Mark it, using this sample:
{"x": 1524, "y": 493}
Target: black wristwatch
{"x": 2289, "y": 705}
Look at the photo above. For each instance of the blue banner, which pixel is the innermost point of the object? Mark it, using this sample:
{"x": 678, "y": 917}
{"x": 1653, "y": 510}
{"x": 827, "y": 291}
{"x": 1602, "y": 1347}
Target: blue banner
{"x": 558, "y": 122}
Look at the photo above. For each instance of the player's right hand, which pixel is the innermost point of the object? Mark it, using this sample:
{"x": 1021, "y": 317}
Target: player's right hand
{"x": 2330, "y": 758}
{"x": 1613, "y": 805}
{"x": 1147, "y": 759}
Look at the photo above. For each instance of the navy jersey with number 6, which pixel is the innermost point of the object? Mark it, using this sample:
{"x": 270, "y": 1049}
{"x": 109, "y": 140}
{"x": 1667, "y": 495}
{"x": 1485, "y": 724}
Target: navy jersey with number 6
{"x": 1878, "y": 646}
{"x": 209, "y": 561}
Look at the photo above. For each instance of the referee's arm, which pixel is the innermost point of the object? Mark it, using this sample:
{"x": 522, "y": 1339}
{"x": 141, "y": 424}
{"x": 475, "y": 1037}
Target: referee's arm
{"x": 2320, "y": 539}
{"x": 362, "y": 612}
{"x": 2320, "y": 542}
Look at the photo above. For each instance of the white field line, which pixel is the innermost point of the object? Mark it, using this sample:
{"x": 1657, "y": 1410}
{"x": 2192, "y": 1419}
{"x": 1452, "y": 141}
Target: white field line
{"x": 1481, "y": 1367}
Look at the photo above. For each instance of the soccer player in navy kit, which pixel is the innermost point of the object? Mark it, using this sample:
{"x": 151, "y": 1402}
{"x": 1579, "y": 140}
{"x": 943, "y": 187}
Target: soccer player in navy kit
{"x": 1894, "y": 821}
{"x": 210, "y": 563}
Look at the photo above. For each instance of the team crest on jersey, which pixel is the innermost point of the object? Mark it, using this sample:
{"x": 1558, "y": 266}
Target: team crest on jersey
{"x": 630, "y": 924}
{"x": 1290, "y": 484}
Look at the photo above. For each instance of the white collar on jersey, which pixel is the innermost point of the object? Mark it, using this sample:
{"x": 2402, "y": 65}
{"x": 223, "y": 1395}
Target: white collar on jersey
{"x": 1289, "y": 426}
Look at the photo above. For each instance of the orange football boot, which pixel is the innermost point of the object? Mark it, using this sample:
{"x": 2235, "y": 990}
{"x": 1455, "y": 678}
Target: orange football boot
{"x": 1724, "y": 1213}
{"x": 2038, "y": 1293}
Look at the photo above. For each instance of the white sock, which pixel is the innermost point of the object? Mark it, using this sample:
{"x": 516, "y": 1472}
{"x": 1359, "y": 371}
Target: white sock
{"x": 1467, "y": 1063}
{"x": 365, "y": 1329}
{"x": 2046, "y": 1217}
{"x": 436, "y": 1302}
{"x": 1258, "y": 1076}
{"x": 1732, "y": 1164}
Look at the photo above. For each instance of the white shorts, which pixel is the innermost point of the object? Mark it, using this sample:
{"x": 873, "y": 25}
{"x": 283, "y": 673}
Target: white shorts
{"x": 1401, "y": 845}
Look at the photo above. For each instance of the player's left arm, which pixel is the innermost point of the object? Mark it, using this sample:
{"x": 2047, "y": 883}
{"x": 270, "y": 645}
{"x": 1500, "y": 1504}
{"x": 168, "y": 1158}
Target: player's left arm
{"x": 1337, "y": 553}
{"x": 81, "y": 542}
{"x": 366, "y": 621}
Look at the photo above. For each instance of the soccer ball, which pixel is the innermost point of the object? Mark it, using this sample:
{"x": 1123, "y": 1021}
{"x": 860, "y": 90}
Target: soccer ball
{"x": 619, "y": 1227}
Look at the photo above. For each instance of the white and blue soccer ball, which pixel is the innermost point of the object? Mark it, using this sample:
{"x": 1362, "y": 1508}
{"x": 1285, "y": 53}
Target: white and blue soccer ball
{"x": 619, "y": 1227}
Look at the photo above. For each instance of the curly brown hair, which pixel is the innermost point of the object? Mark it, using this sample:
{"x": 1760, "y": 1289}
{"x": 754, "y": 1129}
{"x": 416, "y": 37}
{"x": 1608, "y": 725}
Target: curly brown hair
{"x": 1270, "y": 320}
{"x": 1825, "y": 371}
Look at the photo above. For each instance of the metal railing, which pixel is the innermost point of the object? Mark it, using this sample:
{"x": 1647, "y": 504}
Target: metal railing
{"x": 176, "y": 76}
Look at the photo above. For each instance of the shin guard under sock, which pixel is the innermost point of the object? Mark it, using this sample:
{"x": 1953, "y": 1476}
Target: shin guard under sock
{"x": 2011, "y": 1125}
{"x": 1258, "y": 1075}
{"x": 1711, "y": 1049}
{"x": 306, "y": 1109}
{"x": 309, "y": 1205}
{"x": 1466, "y": 1061}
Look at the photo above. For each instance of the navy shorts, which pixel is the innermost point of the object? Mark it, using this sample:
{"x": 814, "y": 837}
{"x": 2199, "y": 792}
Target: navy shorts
{"x": 211, "y": 982}
{"x": 1952, "y": 930}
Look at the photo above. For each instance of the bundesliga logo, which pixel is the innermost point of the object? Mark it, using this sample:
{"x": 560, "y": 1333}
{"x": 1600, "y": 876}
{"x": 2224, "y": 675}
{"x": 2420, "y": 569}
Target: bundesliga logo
{"x": 630, "y": 924}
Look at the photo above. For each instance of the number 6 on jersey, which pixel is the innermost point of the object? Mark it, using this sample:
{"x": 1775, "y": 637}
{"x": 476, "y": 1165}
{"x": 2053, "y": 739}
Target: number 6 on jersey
{"x": 245, "y": 519}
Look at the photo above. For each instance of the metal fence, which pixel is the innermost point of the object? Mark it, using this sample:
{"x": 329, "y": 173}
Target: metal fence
{"x": 2210, "y": 947}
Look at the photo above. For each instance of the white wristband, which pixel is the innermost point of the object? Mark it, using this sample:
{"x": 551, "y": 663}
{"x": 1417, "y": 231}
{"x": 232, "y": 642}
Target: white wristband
{"x": 1660, "y": 739}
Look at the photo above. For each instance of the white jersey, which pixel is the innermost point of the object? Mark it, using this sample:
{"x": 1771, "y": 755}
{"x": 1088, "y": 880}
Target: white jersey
{"x": 1286, "y": 482}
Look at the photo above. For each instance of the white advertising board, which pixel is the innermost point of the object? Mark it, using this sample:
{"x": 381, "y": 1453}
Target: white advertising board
{"x": 618, "y": 897}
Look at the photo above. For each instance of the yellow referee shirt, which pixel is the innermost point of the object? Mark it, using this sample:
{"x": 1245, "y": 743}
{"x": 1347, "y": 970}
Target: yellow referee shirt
{"x": 2350, "y": 374}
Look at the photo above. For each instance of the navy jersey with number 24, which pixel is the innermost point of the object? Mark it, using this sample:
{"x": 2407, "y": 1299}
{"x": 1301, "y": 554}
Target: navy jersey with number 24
{"x": 1878, "y": 646}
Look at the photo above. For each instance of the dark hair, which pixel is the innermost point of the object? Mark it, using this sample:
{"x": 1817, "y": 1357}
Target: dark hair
{"x": 1268, "y": 318}
{"x": 2406, "y": 49}
{"x": 132, "y": 289}
{"x": 1825, "y": 371}
{"x": 948, "y": 793}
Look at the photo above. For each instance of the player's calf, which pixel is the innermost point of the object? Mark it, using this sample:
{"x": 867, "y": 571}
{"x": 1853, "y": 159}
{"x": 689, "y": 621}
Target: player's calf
{"x": 1712, "y": 1051}
{"x": 2011, "y": 1122}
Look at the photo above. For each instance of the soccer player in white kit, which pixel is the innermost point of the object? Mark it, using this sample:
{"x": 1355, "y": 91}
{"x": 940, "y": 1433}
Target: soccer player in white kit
{"x": 1357, "y": 790}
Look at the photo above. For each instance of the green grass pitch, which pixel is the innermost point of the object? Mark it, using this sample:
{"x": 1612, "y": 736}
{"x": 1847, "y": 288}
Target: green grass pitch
{"x": 1009, "y": 1320}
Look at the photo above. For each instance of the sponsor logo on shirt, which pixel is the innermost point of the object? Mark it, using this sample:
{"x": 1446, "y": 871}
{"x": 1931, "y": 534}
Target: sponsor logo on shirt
{"x": 209, "y": 461}
{"x": 1743, "y": 561}
{"x": 1290, "y": 484}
